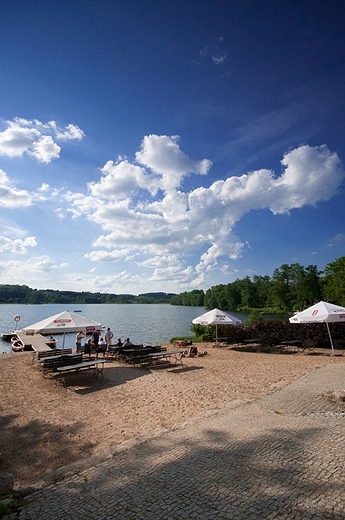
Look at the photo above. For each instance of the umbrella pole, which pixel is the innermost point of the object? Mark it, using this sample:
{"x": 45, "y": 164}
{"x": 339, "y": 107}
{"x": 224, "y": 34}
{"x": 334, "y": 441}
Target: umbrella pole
{"x": 63, "y": 341}
{"x": 330, "y": 337}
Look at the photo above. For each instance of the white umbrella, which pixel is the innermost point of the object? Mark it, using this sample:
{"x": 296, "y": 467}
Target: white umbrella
{"x": 217, "y": 317}
{"x": 63, "y": 323}
{"x": 321, "y": 312}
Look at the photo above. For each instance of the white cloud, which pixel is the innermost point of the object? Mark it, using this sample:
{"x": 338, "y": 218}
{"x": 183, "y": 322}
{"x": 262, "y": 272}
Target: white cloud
{"x": 143, "y": 210}
{"x": 17, "y": 246}
{"x": 340, "y": 237}
{"x": 120, "y": 180}
{"x": 163, "y": 156}
{"x": 12, "y": 197}
{"x": 44, "y": 187}
{"x": 106, "y": 256}
{"x": 218, "y": 60}
{"x": 69, "y": 132}
{"x": 44, "y": 150}
{"x": 35, "y": 139}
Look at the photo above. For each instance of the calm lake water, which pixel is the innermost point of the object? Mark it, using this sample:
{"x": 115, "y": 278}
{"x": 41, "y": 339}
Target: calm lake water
{"x": 152, "y": 324}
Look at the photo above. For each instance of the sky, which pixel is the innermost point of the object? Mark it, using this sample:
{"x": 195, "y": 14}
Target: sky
{"x": 150, "y": 146}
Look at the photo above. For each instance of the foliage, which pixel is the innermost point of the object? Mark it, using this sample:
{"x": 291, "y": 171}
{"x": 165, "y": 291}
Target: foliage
{"x": 192, "y": 299}
{"x": 334, "y": 281}
{"x": 253, "y": 316}
{"x": 201, "y": 330}
{"x": 23, "y": 294}
{"x": 282, "y": 330}
{"x": 291, "y": 287}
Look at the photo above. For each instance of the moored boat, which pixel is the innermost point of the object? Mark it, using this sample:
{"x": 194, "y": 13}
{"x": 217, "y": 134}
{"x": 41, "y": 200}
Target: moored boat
{"x": 17, "y": 344}
{"x": 7, "y": 336}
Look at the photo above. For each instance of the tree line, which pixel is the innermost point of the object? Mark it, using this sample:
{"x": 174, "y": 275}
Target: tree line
{"x": 290, "y": 288}
{"x": 25, "y": 295}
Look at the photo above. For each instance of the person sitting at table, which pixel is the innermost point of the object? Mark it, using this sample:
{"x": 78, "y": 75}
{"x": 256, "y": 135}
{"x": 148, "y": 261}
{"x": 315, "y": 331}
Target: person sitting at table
{"x": 88, "y": 346}
{"x": 102, "y": 347}
{"x": 127, "y": 343}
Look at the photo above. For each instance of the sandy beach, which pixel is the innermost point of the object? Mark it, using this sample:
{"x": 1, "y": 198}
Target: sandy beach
{"x": 45, "y": 426}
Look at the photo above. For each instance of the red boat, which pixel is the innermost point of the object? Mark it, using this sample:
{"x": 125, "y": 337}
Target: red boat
{"x": 17, "y": 344}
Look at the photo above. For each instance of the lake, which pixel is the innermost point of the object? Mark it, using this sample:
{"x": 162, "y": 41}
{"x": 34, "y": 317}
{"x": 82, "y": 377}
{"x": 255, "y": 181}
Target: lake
{"x": 143, "y": 323}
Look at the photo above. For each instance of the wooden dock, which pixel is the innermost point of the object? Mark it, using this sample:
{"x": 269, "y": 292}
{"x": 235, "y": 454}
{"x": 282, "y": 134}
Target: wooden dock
{"x": 35, "y": 342}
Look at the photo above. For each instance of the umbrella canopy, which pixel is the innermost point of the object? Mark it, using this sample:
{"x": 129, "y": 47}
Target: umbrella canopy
{"x": 321, "y": 312}
{"x": 216, "y": 317}
{"x": 63, "y": 323}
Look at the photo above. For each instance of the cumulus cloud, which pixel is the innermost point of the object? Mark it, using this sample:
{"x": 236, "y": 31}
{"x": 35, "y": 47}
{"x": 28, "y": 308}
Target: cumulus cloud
{"x": 163, "y": 156}
{"x": 17, "y": 246}
{"x": 36, "y": 139}
{"x": 12, "y": 197}
{"x": 142, "y": 209}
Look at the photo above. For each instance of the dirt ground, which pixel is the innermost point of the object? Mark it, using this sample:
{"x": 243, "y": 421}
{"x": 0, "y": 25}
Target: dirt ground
{"x": 45, "y": 426}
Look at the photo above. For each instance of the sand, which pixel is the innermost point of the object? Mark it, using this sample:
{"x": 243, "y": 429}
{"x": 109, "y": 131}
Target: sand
{"x": 45, "y": 426}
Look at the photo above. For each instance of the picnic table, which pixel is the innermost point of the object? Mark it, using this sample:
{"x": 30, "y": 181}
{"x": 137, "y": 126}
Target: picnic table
{"x": 218, "y": 342}
{"x": 166, "y": 357}
{"x": 137, "y": 352}
{"x": 263, "y": 345}
{"x": 96, "y": 365}
{"x": 292, "y": 343}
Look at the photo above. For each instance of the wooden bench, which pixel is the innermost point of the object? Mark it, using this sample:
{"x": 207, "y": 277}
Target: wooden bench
{"x": 52, "y": 363}
{"x": 55, "y": 352}
{"x": 96, "y": 365}
{"x": 135, "y": 353}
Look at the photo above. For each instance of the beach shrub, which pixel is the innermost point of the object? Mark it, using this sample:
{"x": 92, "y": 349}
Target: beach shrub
{"x": 254, "y": 315}
{"x": 276, "y": 331}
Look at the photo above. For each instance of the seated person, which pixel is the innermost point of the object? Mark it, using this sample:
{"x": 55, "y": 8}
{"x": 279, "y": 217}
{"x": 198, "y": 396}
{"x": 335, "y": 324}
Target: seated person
{"x": 102, "y": 346}
{"x": 88, "y": 346}
{"x": 118, "y": 343}
{"x": 127, "y": 343}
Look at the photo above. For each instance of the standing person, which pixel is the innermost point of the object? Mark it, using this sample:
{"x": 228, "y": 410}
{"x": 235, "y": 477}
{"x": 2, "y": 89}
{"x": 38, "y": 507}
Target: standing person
{"x": 95, "y": 339}
{"x": 78, "y": 339}
{"x": 108, "y": 336}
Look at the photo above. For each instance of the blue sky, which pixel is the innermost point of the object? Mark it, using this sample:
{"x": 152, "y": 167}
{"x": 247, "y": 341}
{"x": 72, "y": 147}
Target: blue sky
{"x": 169, "y": 146}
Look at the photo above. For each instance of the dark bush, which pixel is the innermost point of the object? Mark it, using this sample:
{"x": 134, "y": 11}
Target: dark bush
{"x": 276, "y": 331}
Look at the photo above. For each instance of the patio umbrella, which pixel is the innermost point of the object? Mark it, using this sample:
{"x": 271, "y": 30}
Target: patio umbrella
{"x": 217, "y": 317}
{"x": 63, "y": 323}
{"x": 321, "y": 312}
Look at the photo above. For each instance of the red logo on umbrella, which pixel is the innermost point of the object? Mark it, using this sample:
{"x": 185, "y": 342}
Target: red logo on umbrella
{"x": 314, "y": 313}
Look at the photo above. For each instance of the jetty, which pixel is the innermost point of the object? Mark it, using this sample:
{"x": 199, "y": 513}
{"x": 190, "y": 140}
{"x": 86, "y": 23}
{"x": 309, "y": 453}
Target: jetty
{"x": 35, "y": 342}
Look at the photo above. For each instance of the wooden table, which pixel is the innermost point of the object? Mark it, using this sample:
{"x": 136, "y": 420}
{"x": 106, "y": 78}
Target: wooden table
{"x": 168, "y": 356}
{"x": 96, "y": 365}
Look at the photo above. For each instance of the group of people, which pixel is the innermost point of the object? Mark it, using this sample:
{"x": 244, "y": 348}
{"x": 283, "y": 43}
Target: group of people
{"x": 98, "y": 343}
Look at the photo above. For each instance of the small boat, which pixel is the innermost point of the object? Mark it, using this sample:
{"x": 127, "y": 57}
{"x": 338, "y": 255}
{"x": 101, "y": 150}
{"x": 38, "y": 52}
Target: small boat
{"x": 77, "y": 310}
{"x": 17, "y": 344}
{"x": 51, "y": 342}
{"x": 7, "y": 336}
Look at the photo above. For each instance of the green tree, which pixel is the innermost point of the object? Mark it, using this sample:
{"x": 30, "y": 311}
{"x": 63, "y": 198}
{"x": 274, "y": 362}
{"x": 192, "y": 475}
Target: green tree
{"x": 333, "y": 282}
